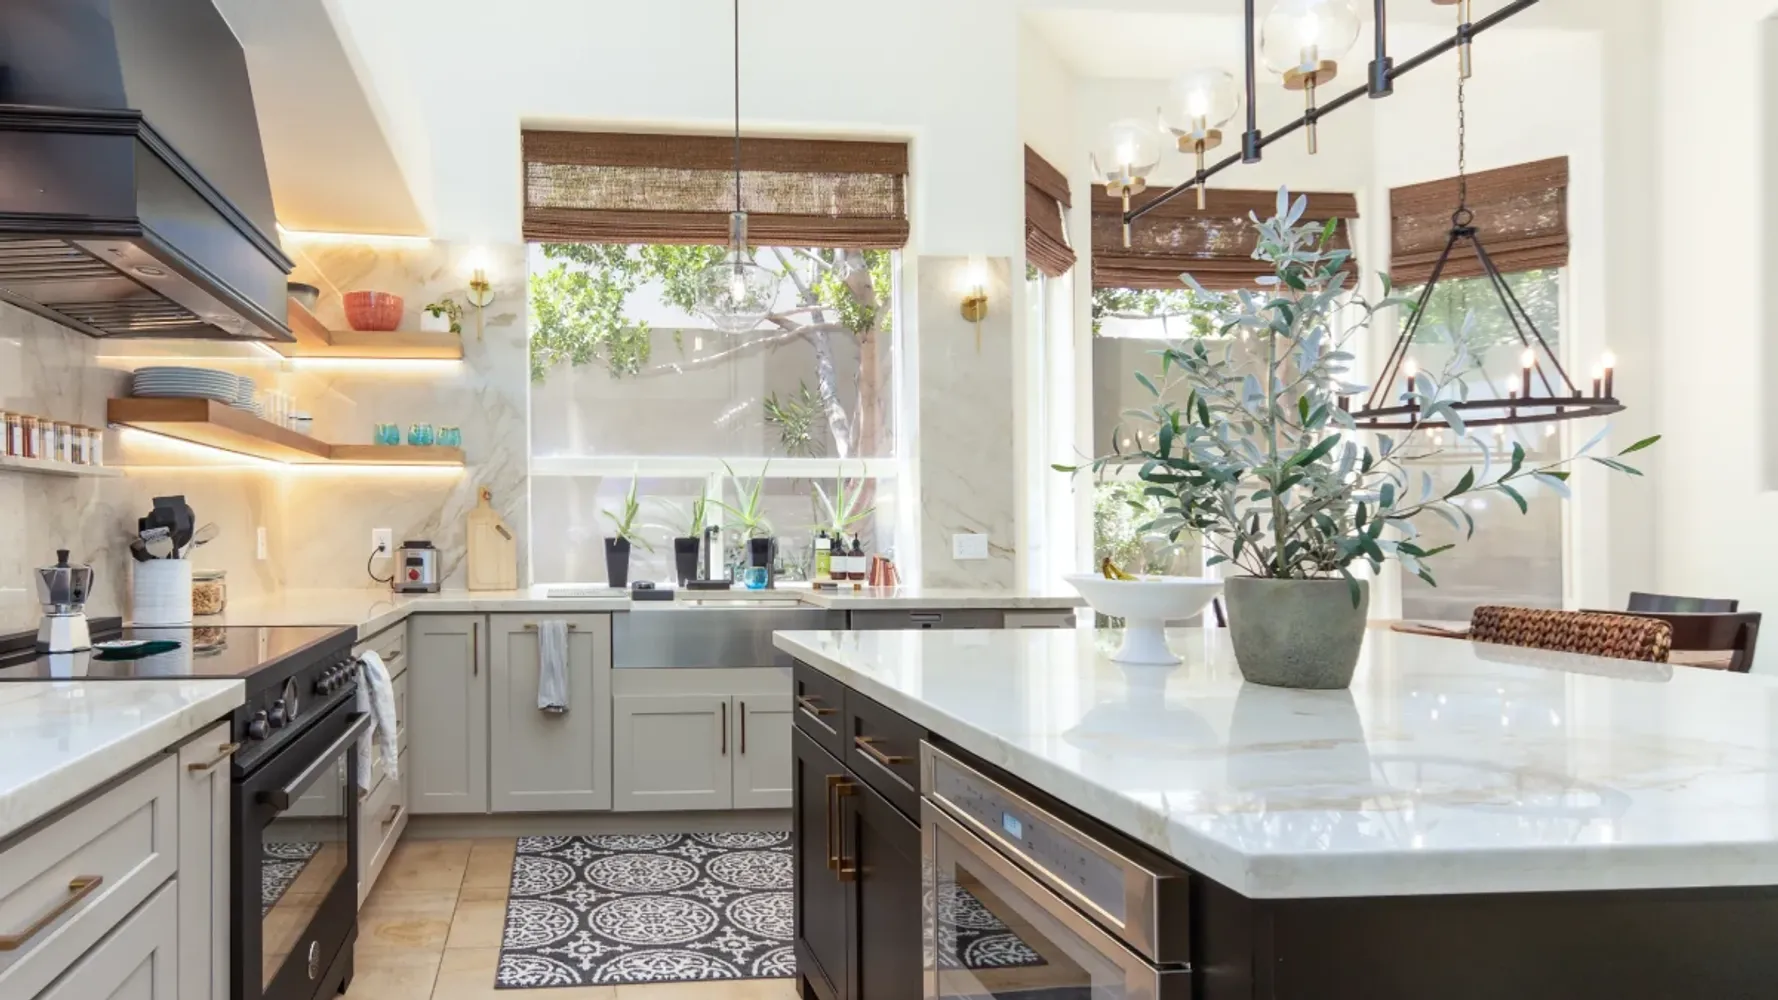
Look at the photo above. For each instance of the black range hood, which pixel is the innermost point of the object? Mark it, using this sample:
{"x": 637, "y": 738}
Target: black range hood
{"x": 134, "y": 200}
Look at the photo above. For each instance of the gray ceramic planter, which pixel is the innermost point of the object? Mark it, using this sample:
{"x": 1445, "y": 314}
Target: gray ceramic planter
{"x": 1296, "y": 633}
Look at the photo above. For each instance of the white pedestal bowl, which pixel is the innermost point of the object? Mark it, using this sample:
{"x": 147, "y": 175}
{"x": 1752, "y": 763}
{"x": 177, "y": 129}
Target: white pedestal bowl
{"x": 1146, "y": 605}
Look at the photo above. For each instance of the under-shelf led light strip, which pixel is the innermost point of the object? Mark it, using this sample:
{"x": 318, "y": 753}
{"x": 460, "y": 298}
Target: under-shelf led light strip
{"x": 222, "y": 458}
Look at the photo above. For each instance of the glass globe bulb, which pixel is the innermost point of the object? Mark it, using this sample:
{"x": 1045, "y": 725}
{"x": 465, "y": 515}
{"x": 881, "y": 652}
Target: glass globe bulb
{"x": 1300, "y": 34}
{"x": 1128, "y": 153}
{"x": 737, "y": 294}
{"x": 1202, "y": 100}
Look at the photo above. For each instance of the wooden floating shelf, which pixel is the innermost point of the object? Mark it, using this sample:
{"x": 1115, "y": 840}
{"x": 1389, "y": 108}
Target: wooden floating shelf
{"x": 44, "y": 467}
{"x": 315, "y": 340}
{"x": 218, "y": 425}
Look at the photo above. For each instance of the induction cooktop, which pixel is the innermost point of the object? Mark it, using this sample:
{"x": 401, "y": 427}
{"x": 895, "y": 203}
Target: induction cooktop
{"x": 205, "y": 651}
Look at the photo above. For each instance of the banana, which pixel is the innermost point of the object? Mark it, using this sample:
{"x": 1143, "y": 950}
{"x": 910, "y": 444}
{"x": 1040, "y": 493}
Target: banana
{"x": 1110, "y": 571}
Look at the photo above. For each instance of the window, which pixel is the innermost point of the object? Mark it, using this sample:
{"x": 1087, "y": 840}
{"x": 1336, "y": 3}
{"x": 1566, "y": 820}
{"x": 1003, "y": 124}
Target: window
{"x": 1522, "y": 562}
{"x": 627, "y": 381}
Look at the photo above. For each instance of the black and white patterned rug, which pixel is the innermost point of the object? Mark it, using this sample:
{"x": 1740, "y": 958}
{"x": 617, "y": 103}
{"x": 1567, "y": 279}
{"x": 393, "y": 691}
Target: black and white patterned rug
{"x": 974, "y": 938}
{"x": 278, "y": 869}
{"x": 648, "y": 908}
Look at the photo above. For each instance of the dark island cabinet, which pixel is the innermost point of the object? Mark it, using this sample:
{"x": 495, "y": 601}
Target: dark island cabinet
{"x": 858, "y": 873}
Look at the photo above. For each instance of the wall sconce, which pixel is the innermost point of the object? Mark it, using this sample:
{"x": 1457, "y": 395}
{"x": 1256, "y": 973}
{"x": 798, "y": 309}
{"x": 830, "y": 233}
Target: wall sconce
{"x": 975, "y": 291}
{"x": 481, "y": 291}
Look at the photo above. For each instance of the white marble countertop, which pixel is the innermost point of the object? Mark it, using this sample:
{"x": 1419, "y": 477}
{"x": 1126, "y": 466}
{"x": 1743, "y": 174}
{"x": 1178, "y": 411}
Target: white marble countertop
{"x": 60, "y": 740}
{"x": 373, "y": 610}
{"x": 1449, "y": 767}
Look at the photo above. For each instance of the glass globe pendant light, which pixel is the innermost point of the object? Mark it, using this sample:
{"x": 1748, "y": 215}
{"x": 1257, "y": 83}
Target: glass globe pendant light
{"x": 1203, "y": 101}
{"x": 1303, "y": 41}
{"x": 1128, "y": 153}
{"x": 737, "y": 293}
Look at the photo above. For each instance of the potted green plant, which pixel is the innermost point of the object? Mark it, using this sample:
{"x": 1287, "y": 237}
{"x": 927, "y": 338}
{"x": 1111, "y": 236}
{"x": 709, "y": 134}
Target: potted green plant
{"x": 1267, "y": 468}
{"x": 750, "y": 522}
{"x": 691, "y": 521}
{"x": 839, "y": 514}
{"x": 443, "y": 316}
{"x": 626, "y": 530}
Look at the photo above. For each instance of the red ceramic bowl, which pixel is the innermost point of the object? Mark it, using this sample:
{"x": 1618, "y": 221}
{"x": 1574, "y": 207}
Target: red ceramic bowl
{"x": 378, "y": 311}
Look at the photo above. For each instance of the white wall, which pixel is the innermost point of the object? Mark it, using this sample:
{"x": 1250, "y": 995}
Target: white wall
{"x": 1715, "y": 181}
{"x": 940, "y": 74}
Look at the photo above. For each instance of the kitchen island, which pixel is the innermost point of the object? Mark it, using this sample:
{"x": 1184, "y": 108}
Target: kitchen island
{"x": 1467, "y": 820}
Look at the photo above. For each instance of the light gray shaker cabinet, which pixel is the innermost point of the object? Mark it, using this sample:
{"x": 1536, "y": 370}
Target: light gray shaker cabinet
{"x": 447, "y": 692}
{"x": 549, "y": 761}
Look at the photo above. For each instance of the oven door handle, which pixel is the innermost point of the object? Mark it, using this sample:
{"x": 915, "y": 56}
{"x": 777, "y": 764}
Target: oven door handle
{"x": 285, "y": 797}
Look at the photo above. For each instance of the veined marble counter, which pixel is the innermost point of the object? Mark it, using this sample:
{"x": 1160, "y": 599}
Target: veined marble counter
{"x": 1449, "y": 767}
{"x": 60, "y": 740}
{"x": 373, "y": 610}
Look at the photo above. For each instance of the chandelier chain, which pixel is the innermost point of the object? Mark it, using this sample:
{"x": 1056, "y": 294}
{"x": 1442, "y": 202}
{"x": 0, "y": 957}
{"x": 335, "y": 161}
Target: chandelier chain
{"x": 1463, "y": 216}
{"x": 737, "y": 105}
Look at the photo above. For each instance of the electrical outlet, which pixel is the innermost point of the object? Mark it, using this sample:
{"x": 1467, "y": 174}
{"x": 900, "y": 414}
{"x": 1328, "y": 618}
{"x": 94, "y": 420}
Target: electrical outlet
{"x": 382, "y": 540}
{"x": 969, "y": 546}
{"x": 259, "y": 542}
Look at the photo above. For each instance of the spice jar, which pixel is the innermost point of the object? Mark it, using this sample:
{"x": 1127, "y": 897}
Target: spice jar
{"x": 209, "y": 591}
{"x": 9, "y": 432}
{"x": 63, "y": 448}
{"x": 83, "y": 436}
{"x": 95, "y": 446}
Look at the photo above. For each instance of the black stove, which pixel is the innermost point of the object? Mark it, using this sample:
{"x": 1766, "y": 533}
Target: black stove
{"x": 292, "y": 672}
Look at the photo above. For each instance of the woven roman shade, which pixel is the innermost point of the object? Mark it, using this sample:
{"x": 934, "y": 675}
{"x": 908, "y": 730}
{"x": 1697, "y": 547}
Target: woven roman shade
{"x": 1046, "y": 220}
{"x": 610, "y": 187}
{"x": 1214, "y": 244}
{"x": 1521, "y": 215}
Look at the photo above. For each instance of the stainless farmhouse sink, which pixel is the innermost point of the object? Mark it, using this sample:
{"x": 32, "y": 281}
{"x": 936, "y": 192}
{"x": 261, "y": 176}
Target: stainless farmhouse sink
{"x": 720, "y": 632}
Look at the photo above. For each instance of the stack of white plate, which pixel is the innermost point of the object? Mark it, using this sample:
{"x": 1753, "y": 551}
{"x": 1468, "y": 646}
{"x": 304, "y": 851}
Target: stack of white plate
{"x": 244, "y": 397}
{"x": 186, "y": 383}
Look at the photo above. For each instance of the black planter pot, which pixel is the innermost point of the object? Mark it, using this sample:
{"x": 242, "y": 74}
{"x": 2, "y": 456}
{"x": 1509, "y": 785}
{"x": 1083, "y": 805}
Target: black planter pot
{"x": 617, "y": 562}
{"x": 685, "y": 559}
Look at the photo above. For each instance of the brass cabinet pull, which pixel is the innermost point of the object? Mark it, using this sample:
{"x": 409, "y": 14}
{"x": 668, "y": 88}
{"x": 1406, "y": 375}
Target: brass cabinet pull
{"x": 724, "y": 748}
{"x": 79, "y": 887}
{"x": 223, "y": 753}
{"x": 808, "y": 704}
{"x": 392, "y": 657}
{"x": 843, "y": 871}
{"x": 869, "y": 745}
{"x": 394, "y": 814}
{"x": 475, "y": 649}
{"x": 833, "y": 857}
{"x": 532, "y": 627}
{"x": 741, "y": 716}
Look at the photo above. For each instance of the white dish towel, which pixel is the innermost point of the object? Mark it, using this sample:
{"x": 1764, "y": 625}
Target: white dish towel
{"x": 376, "y": 695}
{"x": 552, "y": 666}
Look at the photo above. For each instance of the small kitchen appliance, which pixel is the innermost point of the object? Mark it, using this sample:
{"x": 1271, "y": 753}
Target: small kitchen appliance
{"x": 62, "y": 589}
{"x": 416, "y": 568}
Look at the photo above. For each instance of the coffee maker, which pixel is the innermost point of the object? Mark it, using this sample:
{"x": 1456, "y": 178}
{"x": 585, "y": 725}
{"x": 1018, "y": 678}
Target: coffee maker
{"x": 62, "y": 589}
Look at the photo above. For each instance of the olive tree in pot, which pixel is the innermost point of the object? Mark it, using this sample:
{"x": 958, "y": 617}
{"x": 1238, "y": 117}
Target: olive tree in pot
{"x": 626, "y": 530}
{"x": 1260, "y": 462}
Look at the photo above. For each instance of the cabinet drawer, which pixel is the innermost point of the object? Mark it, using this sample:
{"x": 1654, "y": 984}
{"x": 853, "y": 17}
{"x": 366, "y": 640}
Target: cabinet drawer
{"x": 138, "y": 961}
{"x": 400, "y": 689}
{"x": 381, "y": 818}
{"x": 884, "y": 749}
{"x": 391, "y": 645}
{"x": 820, "y": 706}
{"x": 65, "y": 886}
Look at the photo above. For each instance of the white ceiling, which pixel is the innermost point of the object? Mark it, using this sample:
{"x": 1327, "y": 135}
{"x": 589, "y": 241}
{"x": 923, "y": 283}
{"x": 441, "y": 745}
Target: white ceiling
{"x": 327, "y": 151}
{"x": 1158, "y": 39}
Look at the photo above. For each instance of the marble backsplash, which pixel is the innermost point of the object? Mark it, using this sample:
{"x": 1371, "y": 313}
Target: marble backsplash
{"x": 317, "y": 521}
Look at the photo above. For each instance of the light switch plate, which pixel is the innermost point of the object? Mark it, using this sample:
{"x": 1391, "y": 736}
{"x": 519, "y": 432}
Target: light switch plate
{"x": 969, "y": 546}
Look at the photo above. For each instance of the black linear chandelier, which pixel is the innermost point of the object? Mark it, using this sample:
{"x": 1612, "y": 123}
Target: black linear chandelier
{"x": 1301, "y": 41}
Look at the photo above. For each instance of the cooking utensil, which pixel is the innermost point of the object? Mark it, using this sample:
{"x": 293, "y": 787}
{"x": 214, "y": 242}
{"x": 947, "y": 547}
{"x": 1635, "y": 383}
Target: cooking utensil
{"x": 200, "y": 537}
{"x": 158, "y": 542}
{"x": 493, "y": 551}
{"x": 140, "y": 551}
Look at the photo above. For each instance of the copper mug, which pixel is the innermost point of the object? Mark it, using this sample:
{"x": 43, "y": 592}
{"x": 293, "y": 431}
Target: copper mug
{"x": 882, "y": 572}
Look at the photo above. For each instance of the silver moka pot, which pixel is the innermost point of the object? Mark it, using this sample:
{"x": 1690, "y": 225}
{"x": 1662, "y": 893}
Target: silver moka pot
{"x": 62, "y": 589}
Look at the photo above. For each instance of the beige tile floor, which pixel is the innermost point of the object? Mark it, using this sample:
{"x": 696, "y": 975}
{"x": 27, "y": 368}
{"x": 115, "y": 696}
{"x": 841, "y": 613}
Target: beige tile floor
{"x": 431, "y": 931}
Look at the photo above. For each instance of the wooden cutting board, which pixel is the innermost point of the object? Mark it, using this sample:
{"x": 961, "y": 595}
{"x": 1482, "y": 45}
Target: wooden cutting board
{"x": 493, "y": 551}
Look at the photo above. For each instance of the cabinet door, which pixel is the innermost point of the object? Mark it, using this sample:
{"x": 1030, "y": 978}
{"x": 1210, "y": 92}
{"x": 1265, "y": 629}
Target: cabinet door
{"x": 762, "y": 751}
{"x": 672, "y": 752}
{"x": 204, "y": 774}
{"x": 136, "y": 961}
{"x": 883, "y": 917}
{"x": 820, "y": 897}
{"x": 447, "y": 690}
{"x": 549, "y": 761}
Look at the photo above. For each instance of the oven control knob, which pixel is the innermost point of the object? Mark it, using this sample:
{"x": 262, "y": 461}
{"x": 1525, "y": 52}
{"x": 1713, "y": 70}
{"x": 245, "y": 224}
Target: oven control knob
{"x": 259, "y": 728}
{"x": 278, "y": 718}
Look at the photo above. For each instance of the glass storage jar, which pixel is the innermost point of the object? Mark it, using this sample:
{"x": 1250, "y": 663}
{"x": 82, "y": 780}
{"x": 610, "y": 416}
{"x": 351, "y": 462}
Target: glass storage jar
{"x": 209, "y": 591}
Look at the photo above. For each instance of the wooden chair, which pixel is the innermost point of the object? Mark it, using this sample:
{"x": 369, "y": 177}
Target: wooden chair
{"x": 1734, "y": 634}
{"x": 1666, "y": 603}
{"x": 1624, "y": 637}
